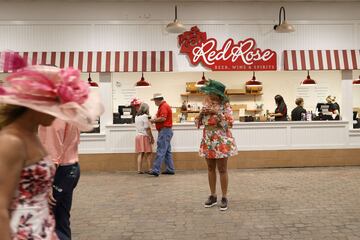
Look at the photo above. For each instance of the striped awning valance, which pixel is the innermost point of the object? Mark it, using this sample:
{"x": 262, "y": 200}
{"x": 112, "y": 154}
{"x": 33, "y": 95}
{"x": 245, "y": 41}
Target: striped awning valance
{"x": 321, "y": 59}
{"x": 115, "y": 61}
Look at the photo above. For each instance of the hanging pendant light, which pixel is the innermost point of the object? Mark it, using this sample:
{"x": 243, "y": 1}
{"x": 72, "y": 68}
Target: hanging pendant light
{"x": 284, "y": 26}
{"x": 357, "y": 81}
{"x": 202, "y": 82}
{"x": 253, "y": 85}
{"x": 91, "y": 83}
{"x": 308, "y": 80}
{"x": 176, "y": 26}
{"x": 142, "y": 83}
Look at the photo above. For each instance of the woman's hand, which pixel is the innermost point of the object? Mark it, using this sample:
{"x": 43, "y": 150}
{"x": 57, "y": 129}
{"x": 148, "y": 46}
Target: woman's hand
{"x": 198, "y": 121}
{"x": 152, "y": 140}
{"x": 207, "y": 111}
{"x": 51, "y": 199}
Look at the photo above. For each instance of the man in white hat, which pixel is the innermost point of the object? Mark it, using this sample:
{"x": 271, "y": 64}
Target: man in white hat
{"x": 163, "y": 123}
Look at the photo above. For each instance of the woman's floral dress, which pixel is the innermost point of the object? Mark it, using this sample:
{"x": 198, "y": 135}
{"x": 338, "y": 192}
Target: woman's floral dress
{"x": 31, "y": 217}
{"x": 217, "y": 141}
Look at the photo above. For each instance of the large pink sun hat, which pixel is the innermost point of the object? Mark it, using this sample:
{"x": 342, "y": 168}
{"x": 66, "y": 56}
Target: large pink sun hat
{"x": 135, "y": 102}
{"x": 51, "y": 90}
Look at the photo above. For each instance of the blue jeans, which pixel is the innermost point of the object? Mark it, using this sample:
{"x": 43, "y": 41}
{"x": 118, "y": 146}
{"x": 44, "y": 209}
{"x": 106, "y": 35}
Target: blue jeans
{"x": 163, "y": 151}
{"x": 65, "y": 181}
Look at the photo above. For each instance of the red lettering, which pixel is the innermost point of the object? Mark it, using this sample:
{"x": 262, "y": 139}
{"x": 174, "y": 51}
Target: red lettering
{"x": 232, "y": 56}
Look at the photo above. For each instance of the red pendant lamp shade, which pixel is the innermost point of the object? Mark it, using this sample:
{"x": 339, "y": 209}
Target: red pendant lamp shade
{"x": 357, "y": 81}
{"x": 253, "y": 86}
{"x": 202, "y": 82}
{"x": 91, "y": 83}
{"x": 308, "y": 80}
{"x": 142, "y": 83}
{"x": 253, "y": 81}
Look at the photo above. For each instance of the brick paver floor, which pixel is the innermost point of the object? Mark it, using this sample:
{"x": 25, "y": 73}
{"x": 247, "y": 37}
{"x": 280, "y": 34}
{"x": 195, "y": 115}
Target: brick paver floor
{"x": 297, "y": 203}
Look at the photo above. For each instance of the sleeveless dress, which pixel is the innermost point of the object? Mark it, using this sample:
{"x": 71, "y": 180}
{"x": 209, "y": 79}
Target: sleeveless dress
{"x": 30, "y": 214}
{"x": 217, "y": 141}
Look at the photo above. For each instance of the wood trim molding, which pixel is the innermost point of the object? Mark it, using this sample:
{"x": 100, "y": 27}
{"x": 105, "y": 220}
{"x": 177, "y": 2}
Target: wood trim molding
{"x": 247, "y": 159}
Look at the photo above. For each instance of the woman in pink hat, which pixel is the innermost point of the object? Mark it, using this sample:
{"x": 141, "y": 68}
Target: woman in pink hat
{"x": 144, "y": 138}
{"x": 136, "y": 102}
{"x": 33, "y": 96}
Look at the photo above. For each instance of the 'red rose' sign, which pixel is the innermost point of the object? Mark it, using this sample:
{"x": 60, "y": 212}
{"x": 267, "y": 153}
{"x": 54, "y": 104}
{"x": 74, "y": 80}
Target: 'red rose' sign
{"x": 240, "y": 56}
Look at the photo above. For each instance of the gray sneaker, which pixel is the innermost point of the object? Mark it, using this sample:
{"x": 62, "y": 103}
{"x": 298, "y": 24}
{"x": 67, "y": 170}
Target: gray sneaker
{"x": 223, "y": 204}
{"x": 212, "y": 201}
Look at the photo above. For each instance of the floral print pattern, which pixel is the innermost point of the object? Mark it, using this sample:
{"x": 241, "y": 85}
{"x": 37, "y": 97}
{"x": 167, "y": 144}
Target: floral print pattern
{"x": 217, "y": 141}
{"x": 31, "y": 218}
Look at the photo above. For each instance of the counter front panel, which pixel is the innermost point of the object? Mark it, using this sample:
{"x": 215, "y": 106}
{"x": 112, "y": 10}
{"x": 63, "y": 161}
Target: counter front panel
{"x": 254, "y": 136}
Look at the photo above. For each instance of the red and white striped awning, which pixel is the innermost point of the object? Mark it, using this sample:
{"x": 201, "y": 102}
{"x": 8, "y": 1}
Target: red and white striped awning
{"x": 126, "y": 61}
{"x": 321, "y": 60}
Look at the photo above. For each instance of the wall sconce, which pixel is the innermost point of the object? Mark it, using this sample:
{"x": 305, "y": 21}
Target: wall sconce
{"x": 283, "y": 27}
{"x": 176, "y": 26}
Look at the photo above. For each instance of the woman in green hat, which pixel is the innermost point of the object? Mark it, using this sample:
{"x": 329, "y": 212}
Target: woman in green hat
{"x": 217, "y": 143}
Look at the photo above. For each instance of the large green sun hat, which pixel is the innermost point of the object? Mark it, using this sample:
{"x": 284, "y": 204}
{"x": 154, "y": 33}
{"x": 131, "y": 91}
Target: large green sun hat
{"x": 215, "y": 87}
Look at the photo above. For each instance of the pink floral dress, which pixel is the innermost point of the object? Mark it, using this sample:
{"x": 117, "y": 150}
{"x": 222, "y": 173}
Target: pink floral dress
{"x": 31, "y": 217}
{"x": 217, "y": 141}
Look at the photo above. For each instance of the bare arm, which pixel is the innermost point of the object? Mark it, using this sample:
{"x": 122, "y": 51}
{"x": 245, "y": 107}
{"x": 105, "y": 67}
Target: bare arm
{"x": 12, "y": 158}
{"x": 149, "y": 133}
{"x": 276, "y": 114}
{"x": 158, "y": 120}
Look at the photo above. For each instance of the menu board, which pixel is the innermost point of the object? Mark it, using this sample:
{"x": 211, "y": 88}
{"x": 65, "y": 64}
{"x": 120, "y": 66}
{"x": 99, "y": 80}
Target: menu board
{"x": 123, "y": 91}
{"x": 312, "y": 95}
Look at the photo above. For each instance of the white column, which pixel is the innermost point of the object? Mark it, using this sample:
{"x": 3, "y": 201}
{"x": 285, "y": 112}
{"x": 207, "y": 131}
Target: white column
{"x": 347, "y": 97}
{"x": 105, "y": 89}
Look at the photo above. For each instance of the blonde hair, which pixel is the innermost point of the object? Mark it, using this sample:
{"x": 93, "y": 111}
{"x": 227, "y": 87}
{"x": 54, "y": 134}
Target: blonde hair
{"x": 9, "y": 113}
{"x": 330, "y": 98}
{"x": 144, "y": 109}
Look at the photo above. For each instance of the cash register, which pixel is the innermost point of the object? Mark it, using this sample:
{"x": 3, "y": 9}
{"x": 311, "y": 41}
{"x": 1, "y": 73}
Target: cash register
{"x": 356, "y": 120}
{"x": 323, "y": 112}
{"x": 125, "y": 114}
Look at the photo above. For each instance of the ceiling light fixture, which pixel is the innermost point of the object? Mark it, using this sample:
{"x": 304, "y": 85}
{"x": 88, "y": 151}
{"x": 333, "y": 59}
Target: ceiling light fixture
{"x": 91, "y": 83}
{"x": 202, "y": 82}
{"x": 253, "y": 85}
{"x": 253, "y": 81}
{"x": 142, "y": 83}
{"x": 308, "y": 80}
{"x": 284, "y": 26}
{"x": 357, "y": 81}
{"x": 176, "y": 26}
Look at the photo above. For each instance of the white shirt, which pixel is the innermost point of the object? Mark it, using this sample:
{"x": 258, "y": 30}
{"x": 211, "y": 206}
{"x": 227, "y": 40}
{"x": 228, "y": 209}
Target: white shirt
{"x": 141, "y": 124}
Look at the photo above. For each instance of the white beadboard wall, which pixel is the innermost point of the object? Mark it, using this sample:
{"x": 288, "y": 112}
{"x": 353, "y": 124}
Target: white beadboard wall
{"x": 137, "y": 37}
{"x": 109, "y": 26}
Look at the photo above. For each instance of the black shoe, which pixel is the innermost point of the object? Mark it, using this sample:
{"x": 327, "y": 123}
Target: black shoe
{"x": 153, "y": 173}
{"x": 212, "y": 201}
{"x": 223, "y": 204}
{"x": 168, "y": 173}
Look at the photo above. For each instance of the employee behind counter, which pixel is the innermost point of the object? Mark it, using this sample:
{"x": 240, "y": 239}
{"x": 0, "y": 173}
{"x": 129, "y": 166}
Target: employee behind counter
{"x": 280, "y": 113}
{"x": 298, "y": 113}
{"x": 329, "y": 110}
{"x": 334, "y": 107}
